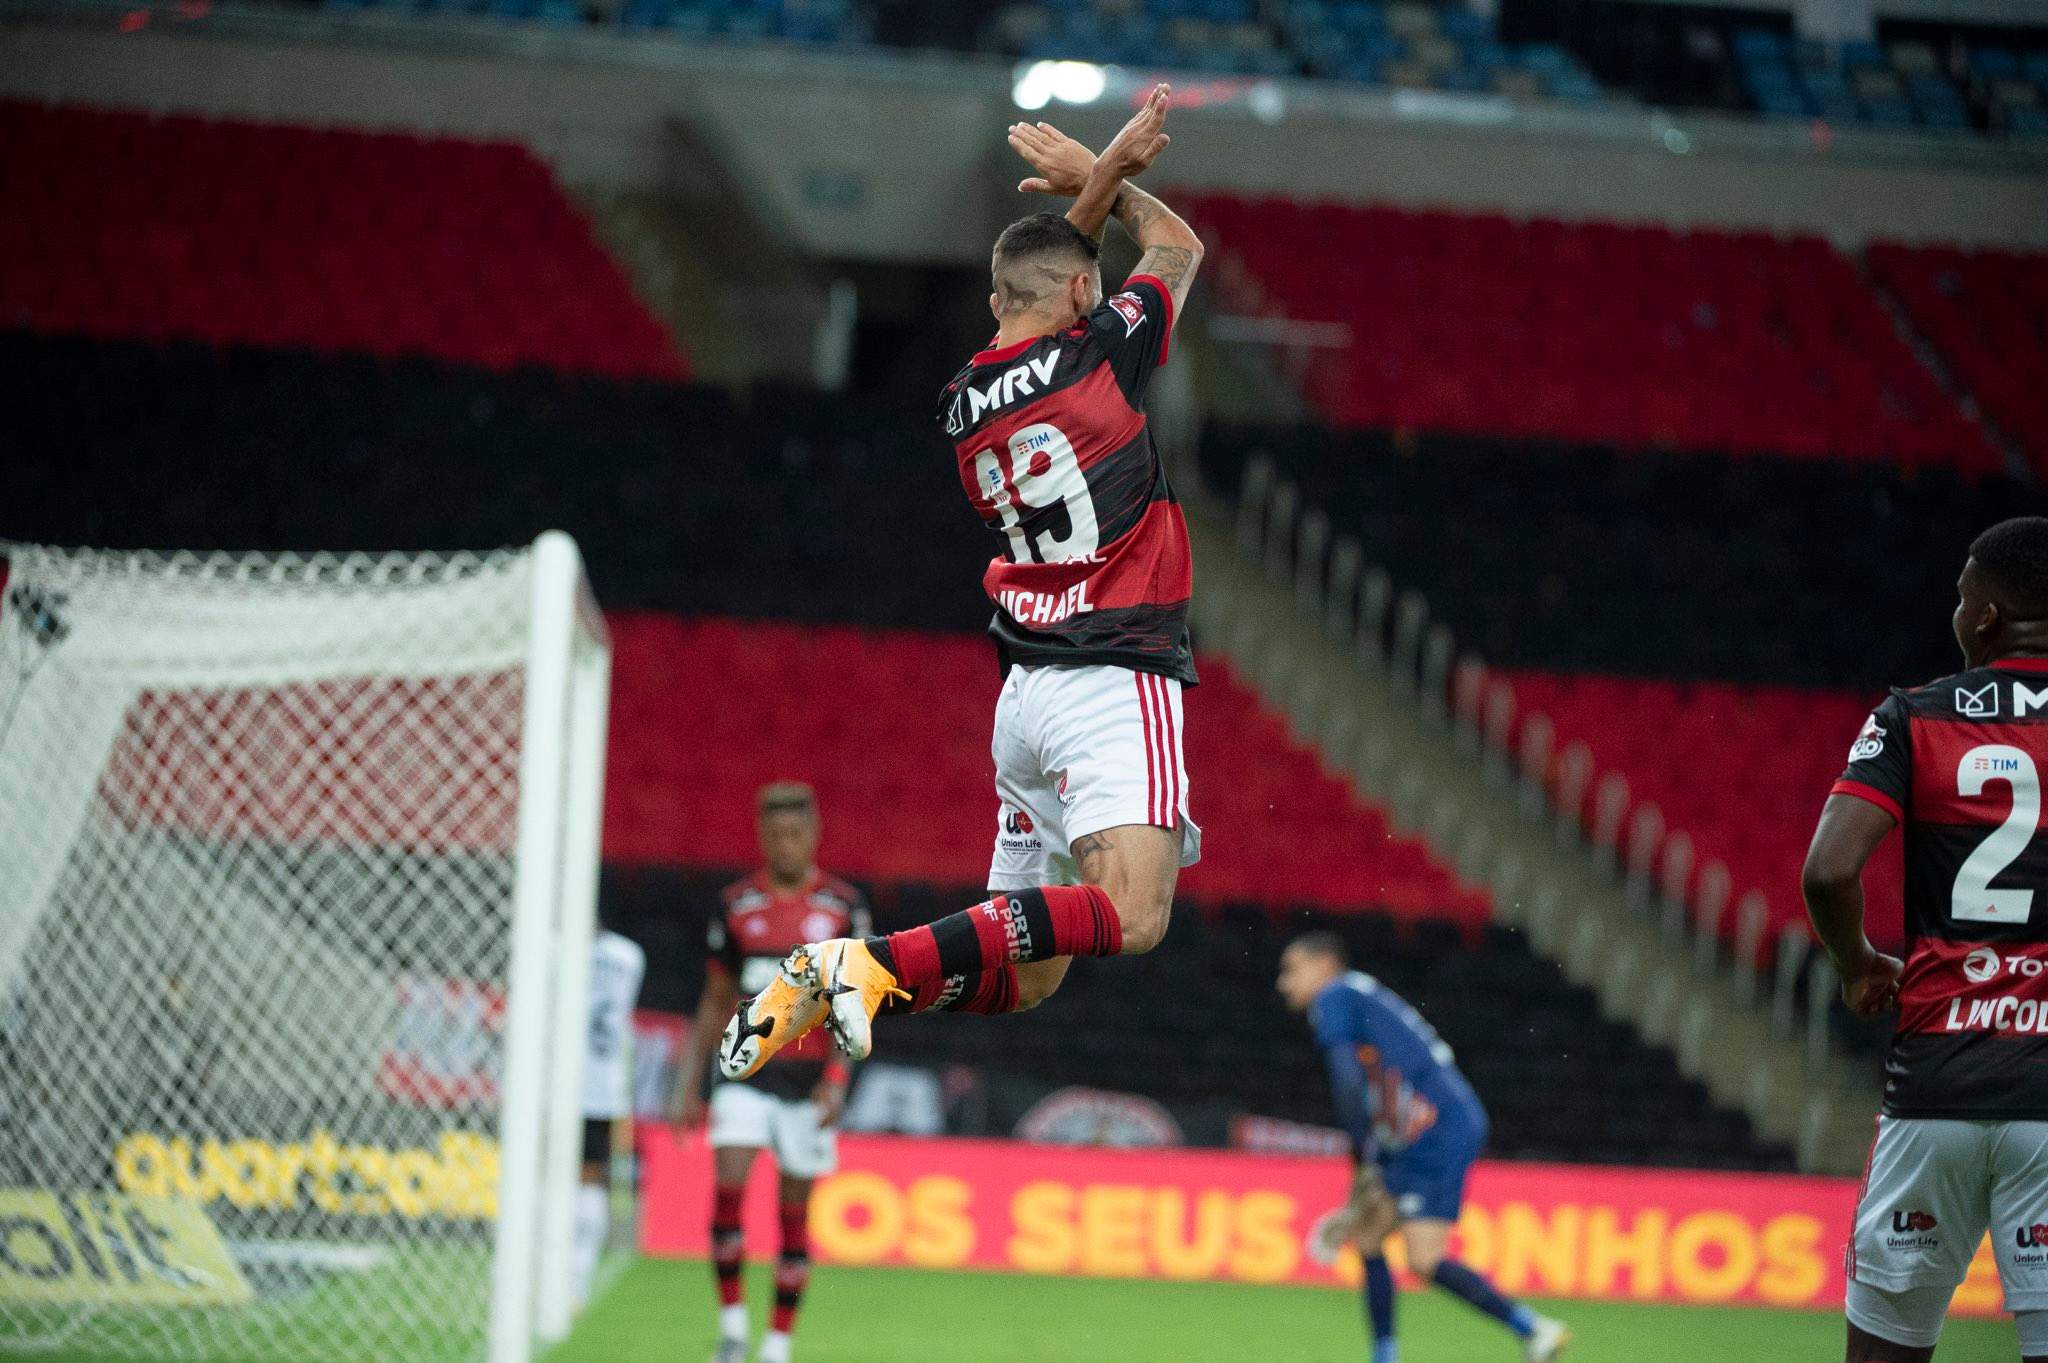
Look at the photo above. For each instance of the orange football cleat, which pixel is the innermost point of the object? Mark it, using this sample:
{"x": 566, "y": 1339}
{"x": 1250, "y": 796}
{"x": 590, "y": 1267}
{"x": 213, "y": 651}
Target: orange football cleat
{"x": 788, "y": 1008}
{"x": 854, "y": 985}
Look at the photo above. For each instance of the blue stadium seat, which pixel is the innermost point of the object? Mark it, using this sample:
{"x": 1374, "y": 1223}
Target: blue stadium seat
{"x": 1762, "y": 45}
{"x": 1889, "y": 113}
{"x": 1464, "y": 25}
{"x": 1360, "y": 18}
{"x": 1487, "y": 55}
{"x": 1862, "y": 54}
{"x": 1994, "y": 61}
{"x": 2035, "y": 66}
{"x": 1781, "y": 103}
{"x": 1929, "y": 85}
{"x": 1576, "y": 86}
{"x": 1825, "y": 84}
{"x": 1362, "y": 71}
{"x": 1547, "y": 59}
{"x": 1379, "y": 48}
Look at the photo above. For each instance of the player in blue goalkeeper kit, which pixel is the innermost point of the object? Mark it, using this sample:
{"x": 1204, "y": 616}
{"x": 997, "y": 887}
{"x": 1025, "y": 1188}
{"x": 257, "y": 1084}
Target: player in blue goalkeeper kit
{"x": 1415, "y": 1127}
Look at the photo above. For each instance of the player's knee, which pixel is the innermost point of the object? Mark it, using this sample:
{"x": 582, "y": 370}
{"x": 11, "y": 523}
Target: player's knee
{"x": 1423, "y": 1262}
{"x": 1143, "y": 906}
{"x": 1144, "y": 922}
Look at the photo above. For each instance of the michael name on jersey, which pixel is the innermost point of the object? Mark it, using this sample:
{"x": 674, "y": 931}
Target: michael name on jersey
{"x": 1045, "y": 608}
{"x": 971, "y": 404}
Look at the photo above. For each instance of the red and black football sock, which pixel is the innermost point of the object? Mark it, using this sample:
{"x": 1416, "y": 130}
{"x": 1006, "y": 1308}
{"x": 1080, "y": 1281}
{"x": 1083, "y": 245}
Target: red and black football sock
{"x": 793, "y": 1268}
{"x": 1009, "y": 929}
{"x": 990, "y": 992}
{"x": 728, "y": 1242}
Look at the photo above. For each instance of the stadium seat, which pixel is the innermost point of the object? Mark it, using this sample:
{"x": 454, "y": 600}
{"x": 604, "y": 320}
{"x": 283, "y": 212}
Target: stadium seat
{"x": 129, "y": 226}
{"x": 1195, "y": 1022}
{"x": 1742, "y": 769}
{"x": 1986, "y": 314}
{"x": 703, "y": 715}
{"x": 1635, "y": 337}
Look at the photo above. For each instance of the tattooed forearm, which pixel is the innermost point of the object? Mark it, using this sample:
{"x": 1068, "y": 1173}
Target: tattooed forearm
{"x": 1170, "y": 265}
{"x": 1136, "y": 210}
{"x": 1172, "y": 251}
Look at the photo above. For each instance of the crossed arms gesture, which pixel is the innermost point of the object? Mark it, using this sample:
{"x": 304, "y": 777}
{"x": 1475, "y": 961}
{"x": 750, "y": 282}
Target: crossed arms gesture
{"x": 1097, "y": 185}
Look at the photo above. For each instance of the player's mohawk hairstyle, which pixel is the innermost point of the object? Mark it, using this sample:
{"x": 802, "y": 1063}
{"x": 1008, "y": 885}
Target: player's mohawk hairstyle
{"x": 787, "y": 797}
{"x": 2013, "y": 557}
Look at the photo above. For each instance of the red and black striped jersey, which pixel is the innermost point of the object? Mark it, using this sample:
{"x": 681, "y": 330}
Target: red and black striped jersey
{"x": 755, "y": 926}
{"x": 1958, "y": 763}
{"x": 1056, "y": 457}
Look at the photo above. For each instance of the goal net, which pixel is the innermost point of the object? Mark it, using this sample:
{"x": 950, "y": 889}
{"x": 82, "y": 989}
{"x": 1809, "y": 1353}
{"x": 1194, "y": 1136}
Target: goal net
{"x": 297, "y": 874}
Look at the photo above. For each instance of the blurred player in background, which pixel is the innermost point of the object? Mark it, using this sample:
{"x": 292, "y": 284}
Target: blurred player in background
{"x": 1416, "y": 1126}
{"x": 617, "y": 966}
{"x": 1962, "y": 1142}
{"x": 791, "y": 1110}
{"x": 1091, "y": 595}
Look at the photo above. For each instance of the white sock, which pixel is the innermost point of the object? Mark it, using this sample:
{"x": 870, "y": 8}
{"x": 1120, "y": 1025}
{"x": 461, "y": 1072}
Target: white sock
{"x": 593, "y": 1227}
{"x": 732, "y": 1321}
{"x": 774, "y": 1348}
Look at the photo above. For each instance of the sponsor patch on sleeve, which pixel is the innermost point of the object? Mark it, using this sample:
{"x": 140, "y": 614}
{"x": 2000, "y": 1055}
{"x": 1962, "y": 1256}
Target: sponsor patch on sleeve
{"x": 1131, "y": 308}
{"x": 1869, "y": 743}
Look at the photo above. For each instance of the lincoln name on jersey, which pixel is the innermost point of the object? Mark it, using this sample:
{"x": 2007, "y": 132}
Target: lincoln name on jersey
{"x": 754, "y": 927}
{"x": 1958, "y": 763}
{"x": 1056, "y": 457}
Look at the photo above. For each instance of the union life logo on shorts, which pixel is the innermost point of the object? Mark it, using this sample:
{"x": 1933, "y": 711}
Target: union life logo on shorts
{"x": 1913, "y": 1230}
{"x": 1018, "y": 833}
{"x": 2030, "y": 1244}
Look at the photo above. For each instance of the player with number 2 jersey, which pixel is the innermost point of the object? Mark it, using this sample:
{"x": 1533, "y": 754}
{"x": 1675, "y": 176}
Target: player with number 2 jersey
{"x": 1962, "y": 1144}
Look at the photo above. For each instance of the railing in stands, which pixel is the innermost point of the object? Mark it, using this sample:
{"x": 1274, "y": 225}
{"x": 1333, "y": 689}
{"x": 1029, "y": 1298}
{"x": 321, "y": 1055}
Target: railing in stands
{"x": 1393, "y": 638}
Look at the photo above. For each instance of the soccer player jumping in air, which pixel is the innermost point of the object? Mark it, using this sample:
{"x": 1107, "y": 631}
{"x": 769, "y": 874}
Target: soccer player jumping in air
{"x": 1962, "y": 1145}
{"x": 1416, "y": 1126}
{"x": 1091, "y": 600}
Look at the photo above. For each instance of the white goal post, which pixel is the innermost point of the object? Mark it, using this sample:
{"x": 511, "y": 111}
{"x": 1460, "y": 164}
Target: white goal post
{"x": 298, "y": 876}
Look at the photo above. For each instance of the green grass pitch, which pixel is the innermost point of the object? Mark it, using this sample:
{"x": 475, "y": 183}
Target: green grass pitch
{"x": 659, "y": 1311}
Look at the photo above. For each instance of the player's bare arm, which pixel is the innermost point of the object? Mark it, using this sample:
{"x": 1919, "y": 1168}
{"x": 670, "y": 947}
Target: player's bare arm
{"x": 714, "y": 1007}
{"x": 1848, "y": 834}
{"x": 1172, "y": 252}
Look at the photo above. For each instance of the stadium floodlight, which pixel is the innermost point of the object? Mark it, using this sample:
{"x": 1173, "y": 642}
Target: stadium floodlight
{"x": 298, "y": 860}
{"x": 1037, "y": 84}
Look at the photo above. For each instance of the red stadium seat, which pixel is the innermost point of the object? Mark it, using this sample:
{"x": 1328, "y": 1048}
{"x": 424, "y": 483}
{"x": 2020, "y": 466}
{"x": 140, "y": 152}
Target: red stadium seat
{"x": 1986, "y": 314}
{"x": 892, "y": 727}
{"x": 1639, "y": 337}
{"x": 126, "y": 226}
{"x": 1743, "y": 770}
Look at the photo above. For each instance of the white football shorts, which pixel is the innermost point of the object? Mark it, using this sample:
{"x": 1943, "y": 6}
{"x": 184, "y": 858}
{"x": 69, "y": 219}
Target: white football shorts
{"x": 1078, "y": 750}
{"x": 787, "y": 1128}
{"x": 1934, "y": 1187}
